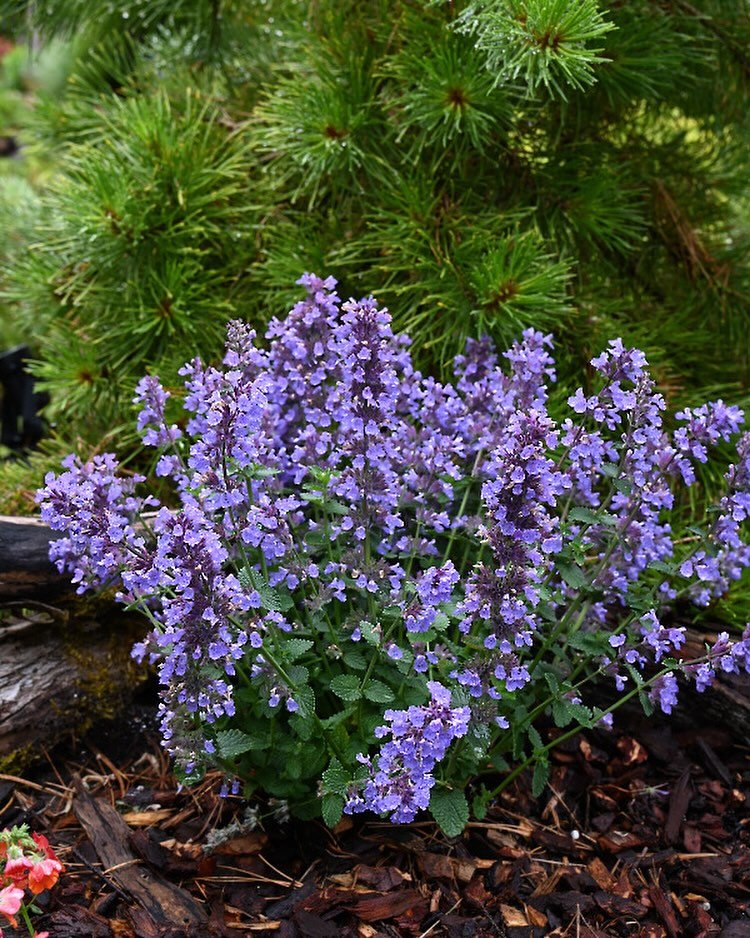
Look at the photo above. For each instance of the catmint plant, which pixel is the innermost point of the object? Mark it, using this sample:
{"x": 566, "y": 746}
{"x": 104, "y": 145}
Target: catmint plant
{"x": 370, "y": 587}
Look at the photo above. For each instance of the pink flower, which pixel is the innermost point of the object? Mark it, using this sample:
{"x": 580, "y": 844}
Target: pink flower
{"x": 16, "y": 867}
{"x": 44, "y": 875}
{"x": 10, "y": 902}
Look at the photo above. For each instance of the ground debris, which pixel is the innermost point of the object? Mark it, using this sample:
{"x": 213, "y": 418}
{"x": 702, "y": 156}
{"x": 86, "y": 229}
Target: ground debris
{"x": 642, "y": 834}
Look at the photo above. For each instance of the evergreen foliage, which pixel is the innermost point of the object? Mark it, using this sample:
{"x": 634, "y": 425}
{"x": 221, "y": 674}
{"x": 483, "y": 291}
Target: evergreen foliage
{"x": 570, "y": 165}
{"x": 142, "y": 253}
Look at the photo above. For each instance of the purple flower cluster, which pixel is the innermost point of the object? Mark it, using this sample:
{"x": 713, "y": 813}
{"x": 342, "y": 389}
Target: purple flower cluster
{"x": 401, "y": 779}
{"x": 628, "y": 404}
{"x": 729, "y": 657}
{"x": 726, "y": 556}
{"x": 434, "y": 588}
{"x": 522, "y": 536}
{"x": 333, "y": 507}
{"x": 95, "y": 506}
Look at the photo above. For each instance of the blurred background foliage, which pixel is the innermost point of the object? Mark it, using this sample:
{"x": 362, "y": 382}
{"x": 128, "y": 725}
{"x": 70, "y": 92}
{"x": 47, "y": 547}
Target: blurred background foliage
{"x": 580, "y": 166}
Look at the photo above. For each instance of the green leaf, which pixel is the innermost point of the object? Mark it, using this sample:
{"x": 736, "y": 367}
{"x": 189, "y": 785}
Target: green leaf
{"x": 378, "y": 692}
{"x": 413, "y": 693}
{"x": 370, "y": 633}
{"x": 337, "y": 718}
{"x": 296, "y": 647}
{"x": 293, "y": 766}
{"x": 304, "y": 727}
{"x": 336, "y": 508}
{"x": 346, "y": 686}
{"x": 404, "y": 664}
{"x": 535, "y": 739}
{"x": 661, "y": 567}
{"x": 646, "y": 702}
{"x": 338, "y": 738}
{"x": 588, "y": 643}
{"x": 480, "y": 803}
{"x": 246, "y": 581}
{"x": 552, "y": 682}
{"x": 561, "y": 712}
{"x": 263, "y": 472}
{"x": 233, "y": 743}
{"x": 581, "y": 713}
{"x": 441, "y": 622}
{"x": 623, "y": 486}
{"x": 540, "y": 778}
{"x": 635, "y": 674}
{"x": 355, "y": 660}
{"x": 547, "y": 612}
{"x": 299, "y": 675}
{"x": 335, "y": 778}
{"x": 332, "y": 807}
{"x": 592, "y": 516}
{"x": 450, "y": 809}
{"x": 272, "y": 599}
{"x": 305, "y": 698}
{"x": 586, "y": 515}
{"x": 572, "y": 574}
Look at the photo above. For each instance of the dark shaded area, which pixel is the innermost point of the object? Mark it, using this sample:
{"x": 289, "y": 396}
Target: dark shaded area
{"x": 22, "y": 426}
{"x": 8, "y": 145}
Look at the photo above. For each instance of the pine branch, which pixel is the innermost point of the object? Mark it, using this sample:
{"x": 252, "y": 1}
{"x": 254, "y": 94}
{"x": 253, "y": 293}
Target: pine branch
{"x": 737, "y": 51}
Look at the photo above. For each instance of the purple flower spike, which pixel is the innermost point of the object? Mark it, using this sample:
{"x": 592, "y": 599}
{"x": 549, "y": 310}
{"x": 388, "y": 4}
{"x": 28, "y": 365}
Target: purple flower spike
{"x": 401, "y": 781}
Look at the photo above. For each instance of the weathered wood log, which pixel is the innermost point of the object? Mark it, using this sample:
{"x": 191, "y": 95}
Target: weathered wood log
{"x": 25, "y": 568}
{"x": 727, "y": 703}
{"x": 64, "y": 659}
{"x": 61, "y": 671}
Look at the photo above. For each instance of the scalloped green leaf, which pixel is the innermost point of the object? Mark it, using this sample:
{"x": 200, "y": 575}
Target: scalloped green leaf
{"x": 450, "y": 809}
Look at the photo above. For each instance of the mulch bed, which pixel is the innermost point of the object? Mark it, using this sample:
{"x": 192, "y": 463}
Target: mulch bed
{"x": 641, "y": 834}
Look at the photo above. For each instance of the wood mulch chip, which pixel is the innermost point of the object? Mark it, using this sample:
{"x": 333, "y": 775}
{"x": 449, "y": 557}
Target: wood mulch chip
{"x": 643, "y": 834}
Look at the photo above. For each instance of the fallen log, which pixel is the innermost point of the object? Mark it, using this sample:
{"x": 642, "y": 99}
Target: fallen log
{"x": 25, "y": 568}
{"x": 64, "y": 659}
{"x": 62, "y": 670}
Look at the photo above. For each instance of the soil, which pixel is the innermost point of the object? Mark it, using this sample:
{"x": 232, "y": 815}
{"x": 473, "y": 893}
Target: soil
{"x": 641, "y": 833}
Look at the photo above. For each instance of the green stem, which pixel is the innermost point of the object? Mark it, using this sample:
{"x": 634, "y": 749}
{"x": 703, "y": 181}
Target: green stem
{"x": 569, "y": 734}
{"x": 374, "y": 658}
{"x": 27, "y": 919}
{"x": 462, "y": 506}
{"x": 540, "y": 708}
{"x": 547, "y": 644}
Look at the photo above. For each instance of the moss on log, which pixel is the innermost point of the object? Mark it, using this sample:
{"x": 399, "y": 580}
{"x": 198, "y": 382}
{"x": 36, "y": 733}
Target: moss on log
{"x": 61, "y": 670}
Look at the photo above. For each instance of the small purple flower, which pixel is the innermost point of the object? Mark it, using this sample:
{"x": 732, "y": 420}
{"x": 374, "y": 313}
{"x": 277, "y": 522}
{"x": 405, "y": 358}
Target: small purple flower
{"x": 664, "y": 692}
{"x": 152, "y": 398}
{"x": 434, "y": 587}
{"x": 401, "y": 779}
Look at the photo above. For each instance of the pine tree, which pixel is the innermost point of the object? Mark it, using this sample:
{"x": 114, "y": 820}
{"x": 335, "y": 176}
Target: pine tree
{"x": 574, "y": 165}
{"x": 142, "y": 258}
